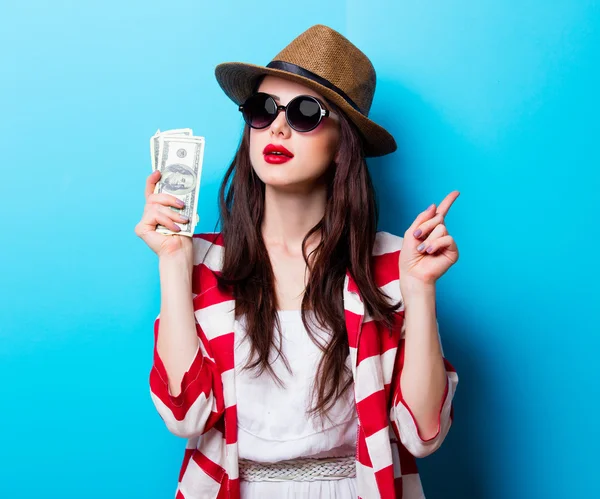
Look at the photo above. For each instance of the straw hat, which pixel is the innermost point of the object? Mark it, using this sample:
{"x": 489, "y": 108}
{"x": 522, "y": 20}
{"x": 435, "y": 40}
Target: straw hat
{"x": 324, "y": 60}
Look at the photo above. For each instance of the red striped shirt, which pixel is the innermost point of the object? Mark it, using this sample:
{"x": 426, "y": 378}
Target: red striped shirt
{"x": 204, "y": 412}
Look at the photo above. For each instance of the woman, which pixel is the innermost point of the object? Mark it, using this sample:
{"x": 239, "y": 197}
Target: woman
{"x": 298, "y": 349}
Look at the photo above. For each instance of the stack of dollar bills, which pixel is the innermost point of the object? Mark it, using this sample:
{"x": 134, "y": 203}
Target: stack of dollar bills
{"x": 178, "y": 154}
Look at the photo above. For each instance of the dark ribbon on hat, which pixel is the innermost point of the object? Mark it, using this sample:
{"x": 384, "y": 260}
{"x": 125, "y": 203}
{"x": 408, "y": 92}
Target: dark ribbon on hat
{"x": 300, "y": 71}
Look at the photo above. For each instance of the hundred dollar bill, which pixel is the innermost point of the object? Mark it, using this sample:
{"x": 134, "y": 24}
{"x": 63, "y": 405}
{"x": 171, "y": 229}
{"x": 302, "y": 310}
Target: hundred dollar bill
{"x": 179, "y": 160}
{"x": 154, "y": 145}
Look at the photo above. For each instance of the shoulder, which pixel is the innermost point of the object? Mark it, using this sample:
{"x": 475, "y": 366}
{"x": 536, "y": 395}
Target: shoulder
{"x": 385, "y": 255}
{"x": 386, "y": 270}
{"x": 386, "y": 243}
{"x": 208, "y": 249}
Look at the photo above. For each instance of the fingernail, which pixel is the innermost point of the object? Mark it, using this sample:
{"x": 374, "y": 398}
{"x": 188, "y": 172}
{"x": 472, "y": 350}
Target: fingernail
{"x": 180, "y": 203}
{"x": 430, "y": 206}
{"x": 429, "y": 249}
{"x": 420, "y": 247}
{"x": 417, "y": 232}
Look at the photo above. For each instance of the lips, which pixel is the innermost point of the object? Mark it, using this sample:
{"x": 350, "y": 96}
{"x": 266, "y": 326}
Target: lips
{"x": 277, "y": 151}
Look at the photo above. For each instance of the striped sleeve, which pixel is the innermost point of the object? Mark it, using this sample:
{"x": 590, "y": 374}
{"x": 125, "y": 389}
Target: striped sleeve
{"x": 404, "y": 419}
{"x": 200, "y": 402}
{"x": 387, "y": 276}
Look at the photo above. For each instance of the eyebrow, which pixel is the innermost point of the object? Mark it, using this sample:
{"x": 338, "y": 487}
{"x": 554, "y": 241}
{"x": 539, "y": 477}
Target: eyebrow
{"x": 276, "y": 97}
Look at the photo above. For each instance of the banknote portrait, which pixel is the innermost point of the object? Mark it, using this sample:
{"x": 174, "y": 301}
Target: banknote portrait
{"x": 178, "y": 179}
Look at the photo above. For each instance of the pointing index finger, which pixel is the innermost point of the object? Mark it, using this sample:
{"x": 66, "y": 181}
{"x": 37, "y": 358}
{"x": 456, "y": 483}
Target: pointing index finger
{"x": 445, "y": 205}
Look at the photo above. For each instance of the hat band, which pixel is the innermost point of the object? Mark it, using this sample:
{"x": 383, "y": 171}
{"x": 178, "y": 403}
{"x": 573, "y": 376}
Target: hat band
{"x": 300, "y": 71}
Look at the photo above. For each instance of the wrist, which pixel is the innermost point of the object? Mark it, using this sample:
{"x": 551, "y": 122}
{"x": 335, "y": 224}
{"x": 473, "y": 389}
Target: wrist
{"x": 176, "y": 262}
{"x": 415, "y": 290}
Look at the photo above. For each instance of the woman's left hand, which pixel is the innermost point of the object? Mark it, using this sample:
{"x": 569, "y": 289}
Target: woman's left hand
{"x": 427, "y": 255}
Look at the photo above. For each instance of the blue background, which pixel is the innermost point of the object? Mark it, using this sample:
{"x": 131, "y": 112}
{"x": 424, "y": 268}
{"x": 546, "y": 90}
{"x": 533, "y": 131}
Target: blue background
{"x": 498, "y": 100}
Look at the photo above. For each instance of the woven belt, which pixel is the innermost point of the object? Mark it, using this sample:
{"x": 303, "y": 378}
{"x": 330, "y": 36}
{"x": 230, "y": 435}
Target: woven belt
{"x": 305, "y": 469}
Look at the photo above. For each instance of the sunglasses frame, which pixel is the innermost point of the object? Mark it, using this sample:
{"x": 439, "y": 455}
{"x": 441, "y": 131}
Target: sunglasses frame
{"x": 324, "y": 112}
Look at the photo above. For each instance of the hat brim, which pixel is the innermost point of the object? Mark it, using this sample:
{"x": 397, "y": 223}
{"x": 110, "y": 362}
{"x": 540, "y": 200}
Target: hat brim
{"x": 237, "y": 79}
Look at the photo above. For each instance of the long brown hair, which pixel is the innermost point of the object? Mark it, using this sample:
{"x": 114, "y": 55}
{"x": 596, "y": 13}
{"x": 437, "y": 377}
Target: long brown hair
{"x": 347, "y": 231}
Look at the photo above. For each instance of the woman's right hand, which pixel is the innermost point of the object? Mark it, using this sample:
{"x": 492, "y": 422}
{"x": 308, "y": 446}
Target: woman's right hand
{"x": 157, "y": 211}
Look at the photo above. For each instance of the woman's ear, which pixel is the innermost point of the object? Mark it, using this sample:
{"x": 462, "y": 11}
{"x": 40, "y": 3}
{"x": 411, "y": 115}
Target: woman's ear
{"x": 338, "y": 153}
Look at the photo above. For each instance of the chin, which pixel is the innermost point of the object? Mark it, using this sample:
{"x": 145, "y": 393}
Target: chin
{"x": 281, "y": 181}
{"x": 284, "y": 180}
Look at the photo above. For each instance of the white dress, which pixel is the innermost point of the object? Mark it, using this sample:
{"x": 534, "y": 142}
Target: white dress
{"x": 272, "y": 425}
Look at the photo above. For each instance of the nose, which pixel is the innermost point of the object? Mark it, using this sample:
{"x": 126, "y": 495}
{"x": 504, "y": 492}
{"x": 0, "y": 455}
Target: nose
{"x": 280, "y": 125}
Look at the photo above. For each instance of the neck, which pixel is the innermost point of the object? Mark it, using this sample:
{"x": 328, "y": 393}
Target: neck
{"x": 290, "y": 214}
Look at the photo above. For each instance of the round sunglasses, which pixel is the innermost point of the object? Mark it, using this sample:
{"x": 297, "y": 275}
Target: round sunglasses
{"x": 303, "y": 113}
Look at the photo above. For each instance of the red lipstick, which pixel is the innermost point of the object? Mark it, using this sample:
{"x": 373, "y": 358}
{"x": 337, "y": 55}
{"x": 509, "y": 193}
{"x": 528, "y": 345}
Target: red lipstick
{"x": 276, "y": 154}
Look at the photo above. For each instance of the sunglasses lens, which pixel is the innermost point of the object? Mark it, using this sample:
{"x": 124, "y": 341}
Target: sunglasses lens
{"x": 304, "y": 113}
{"x": 259, "y": 110}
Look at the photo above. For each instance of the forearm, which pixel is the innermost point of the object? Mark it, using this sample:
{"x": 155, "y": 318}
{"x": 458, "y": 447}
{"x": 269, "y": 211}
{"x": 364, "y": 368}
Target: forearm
{"x": 423, "y": 377}
{"x": 177, "y": 341}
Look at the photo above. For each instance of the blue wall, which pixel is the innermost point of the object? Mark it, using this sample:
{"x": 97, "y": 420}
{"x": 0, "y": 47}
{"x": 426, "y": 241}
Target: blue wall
{"x": 496, "y": 99}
